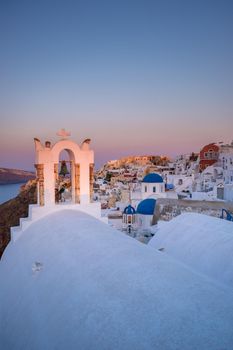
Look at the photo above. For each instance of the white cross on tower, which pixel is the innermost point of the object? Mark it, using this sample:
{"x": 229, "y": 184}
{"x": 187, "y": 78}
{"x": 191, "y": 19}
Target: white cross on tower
{"x": 63, "y": 134}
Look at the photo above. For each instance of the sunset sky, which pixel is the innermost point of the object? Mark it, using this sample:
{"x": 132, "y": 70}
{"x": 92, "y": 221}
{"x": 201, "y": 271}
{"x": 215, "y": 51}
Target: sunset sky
{"x": 137, "y": 77}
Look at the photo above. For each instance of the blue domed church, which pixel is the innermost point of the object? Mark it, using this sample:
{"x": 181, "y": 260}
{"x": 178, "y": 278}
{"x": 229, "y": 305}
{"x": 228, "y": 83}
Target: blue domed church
{"x": 140, "y": 219}
{"x": 153, "y": 186}
{"x": 145, "y": 213}
{"x": 129, "y": 218}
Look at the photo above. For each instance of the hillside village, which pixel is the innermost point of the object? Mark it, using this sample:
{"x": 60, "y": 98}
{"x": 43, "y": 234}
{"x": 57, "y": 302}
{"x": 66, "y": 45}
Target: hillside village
{"x": 197, "y": 182}
{"x": 207, "y": 175}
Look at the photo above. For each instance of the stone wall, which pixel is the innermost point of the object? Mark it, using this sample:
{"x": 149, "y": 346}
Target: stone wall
{"x": 167, "y": 208}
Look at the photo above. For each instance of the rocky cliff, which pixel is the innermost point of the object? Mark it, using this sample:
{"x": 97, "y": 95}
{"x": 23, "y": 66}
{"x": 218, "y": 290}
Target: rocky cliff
{"x": 12, "y": 176}
{"x": 14, "y": 209}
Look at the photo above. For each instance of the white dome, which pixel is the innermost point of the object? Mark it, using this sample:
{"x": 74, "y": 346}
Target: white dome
{"x": 200, "y": 241}
{"x": 72, "y": 282}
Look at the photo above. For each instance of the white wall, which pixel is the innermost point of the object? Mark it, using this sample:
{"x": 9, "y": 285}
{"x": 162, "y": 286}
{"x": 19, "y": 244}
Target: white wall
{"x": 159, "y": 190}
{"x": 144, "y": 221}
{"x": 228, "y": 192}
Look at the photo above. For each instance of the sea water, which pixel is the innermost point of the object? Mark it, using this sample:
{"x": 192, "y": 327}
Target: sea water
{"x": 9, "y": 191}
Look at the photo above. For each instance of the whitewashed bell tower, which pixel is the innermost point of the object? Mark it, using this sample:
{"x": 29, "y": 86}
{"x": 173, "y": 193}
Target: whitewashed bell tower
{"x": 81, "y": 167}
{"x": 81, "y": 181}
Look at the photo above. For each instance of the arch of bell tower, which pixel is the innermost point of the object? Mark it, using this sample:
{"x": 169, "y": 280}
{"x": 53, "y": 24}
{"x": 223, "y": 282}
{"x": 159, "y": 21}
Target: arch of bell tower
{"x": 47, "y": 165}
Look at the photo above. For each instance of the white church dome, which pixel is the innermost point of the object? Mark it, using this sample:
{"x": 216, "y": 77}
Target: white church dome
{"x": 72, "y": 282}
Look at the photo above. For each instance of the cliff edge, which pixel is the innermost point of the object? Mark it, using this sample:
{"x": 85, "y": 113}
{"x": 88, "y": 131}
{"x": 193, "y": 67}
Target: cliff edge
{"x": 13, "y": 176}
{"x": 14, "y": 209}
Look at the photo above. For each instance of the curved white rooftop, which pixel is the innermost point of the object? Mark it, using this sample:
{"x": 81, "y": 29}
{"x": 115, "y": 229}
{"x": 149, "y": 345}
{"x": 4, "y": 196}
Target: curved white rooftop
{"x": 72, "y": 282}
{"x": 202, "y": 242}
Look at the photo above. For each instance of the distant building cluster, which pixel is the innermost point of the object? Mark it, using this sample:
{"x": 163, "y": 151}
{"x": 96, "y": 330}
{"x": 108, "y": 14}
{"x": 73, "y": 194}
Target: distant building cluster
{"x": 130, "y": 186}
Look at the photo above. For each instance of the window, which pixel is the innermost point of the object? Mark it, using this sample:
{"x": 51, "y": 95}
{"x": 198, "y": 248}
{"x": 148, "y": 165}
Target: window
{"x": 145, "y": 188}
{"x": 154, "y": 189}
{"x": 210, "y": 154}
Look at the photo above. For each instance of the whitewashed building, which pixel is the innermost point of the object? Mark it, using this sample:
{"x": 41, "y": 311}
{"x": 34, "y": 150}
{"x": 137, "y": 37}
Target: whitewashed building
{"x": 226, "y": 161}
{"x": 153, "y": 186}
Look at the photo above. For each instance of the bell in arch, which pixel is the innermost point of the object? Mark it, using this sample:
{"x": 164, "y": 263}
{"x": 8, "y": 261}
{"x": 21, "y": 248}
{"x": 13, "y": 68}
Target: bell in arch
{"x": 64, "y": 171}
